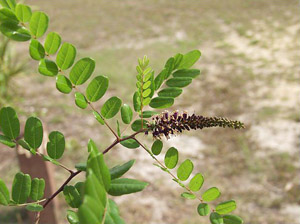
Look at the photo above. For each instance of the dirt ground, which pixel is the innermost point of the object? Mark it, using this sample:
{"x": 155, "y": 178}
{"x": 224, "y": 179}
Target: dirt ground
{"x": 249, "y": 71}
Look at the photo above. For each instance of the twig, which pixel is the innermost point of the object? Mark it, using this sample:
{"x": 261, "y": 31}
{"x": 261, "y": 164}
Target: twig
{"x": 73, "y": 174}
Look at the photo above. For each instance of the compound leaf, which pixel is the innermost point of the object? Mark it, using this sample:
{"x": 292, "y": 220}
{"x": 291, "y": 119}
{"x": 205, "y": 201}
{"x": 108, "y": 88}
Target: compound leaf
{"x": 179, "y": 82}
{"x": 112, "y": 214}
{"x": 34, "y": 207}
{"x": 216, "y": 218}
{"x": 191, "y": 73}
{"x": 170, "y": 92}
{"x": 130, "y": 143}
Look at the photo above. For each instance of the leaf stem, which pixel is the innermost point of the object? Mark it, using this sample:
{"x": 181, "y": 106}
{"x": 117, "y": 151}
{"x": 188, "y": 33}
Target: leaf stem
{"x": 168, "y": 171}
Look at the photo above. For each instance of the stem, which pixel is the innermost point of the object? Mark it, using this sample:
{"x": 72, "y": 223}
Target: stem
{"x": 93, "y": 108}
{"x": 73, "y": 174}
{"x": 167, "y": 170}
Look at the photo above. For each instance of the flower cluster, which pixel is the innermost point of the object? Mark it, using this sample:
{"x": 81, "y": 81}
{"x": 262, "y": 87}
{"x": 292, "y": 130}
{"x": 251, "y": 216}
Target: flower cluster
{"x": 166, "y": 124}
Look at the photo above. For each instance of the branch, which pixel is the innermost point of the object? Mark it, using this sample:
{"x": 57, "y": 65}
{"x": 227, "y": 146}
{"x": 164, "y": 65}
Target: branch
{"x": 73, "y": 174}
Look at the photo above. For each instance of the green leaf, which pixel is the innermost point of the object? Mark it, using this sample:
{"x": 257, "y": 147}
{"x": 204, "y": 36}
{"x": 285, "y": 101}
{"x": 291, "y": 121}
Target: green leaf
{"x": 11, "y": 4}
{"x": 177, "y": 60}
{"x": 9, "y": 122}
{"x": 170, "y": 92}
{"x": 100, "y": 169}
{"x": 226, "y": 207}
{"x": 125, "y": 186}
{"x": 112, "y": 214}
{"x": 196, "y": 182}
{"x": 188, "y": 195}
{"x": 148, "y": 114}
{"x": 130, "y": 143}
{"x": 137, "y": 125}
{"x": 211, "y": 194}
{"x": 136, "y": 102}
{"x": 185, "y": 169}
{"x": 63, "y": 84}
{"x": 33, "y": 133}
{"x": 98, "y": 117}
{"x": 4, "y": 194}
{"x": 216, "y": 218}
{"x": 191, "y": 73}
{"x": 97, "y": 88}
{"x": 56, "y": 145}
{"x": 189, "y": 59}
{"x": 23, "y": 12}
{"x": 24, "y": 144}
{"x": 66, "y": 56}
{"x": 119, "y": 170}
{"x": 171, "y": 158}
{"x": 80, "y": 166}
{"x": 203, "y": 209}
{"x": 72, "y": 217}
{"x": 7, "y": 141}
{"x": 80, "y": 100}
{"x": 94, "y": 189}
{"x": 38, "y": 24}
{"x": 179, "y": 82}
{"x": 7, "y": 15}
{"x": 34, "y": 207}
{"x": 14, "y": 31}
{"x": 37, "y": 189}
{"x": 48, "y": 67}
{"x": 90, "y": 211}
{"x": 21, "y": 188}
{"x": 111, "y": 107}
{"x": 159, "y": 79}
{"x": 92, "y": 147}
{"x": 52, "y": 43}
{"x": 36, "y": 50}
{"x": 157, "y": 147}
{"x": 72, "y": 196}
{"x": 232, "y": 219}
{"x": 169, "y": 66}
{"x": 82, "y": 71}
{"x": 161, "y": 102}
{"x": 126, "y": 114}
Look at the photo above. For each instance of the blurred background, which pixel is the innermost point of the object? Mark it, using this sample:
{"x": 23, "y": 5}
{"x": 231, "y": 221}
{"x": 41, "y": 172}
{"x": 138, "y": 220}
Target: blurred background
{"x": 249, "y": 71}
